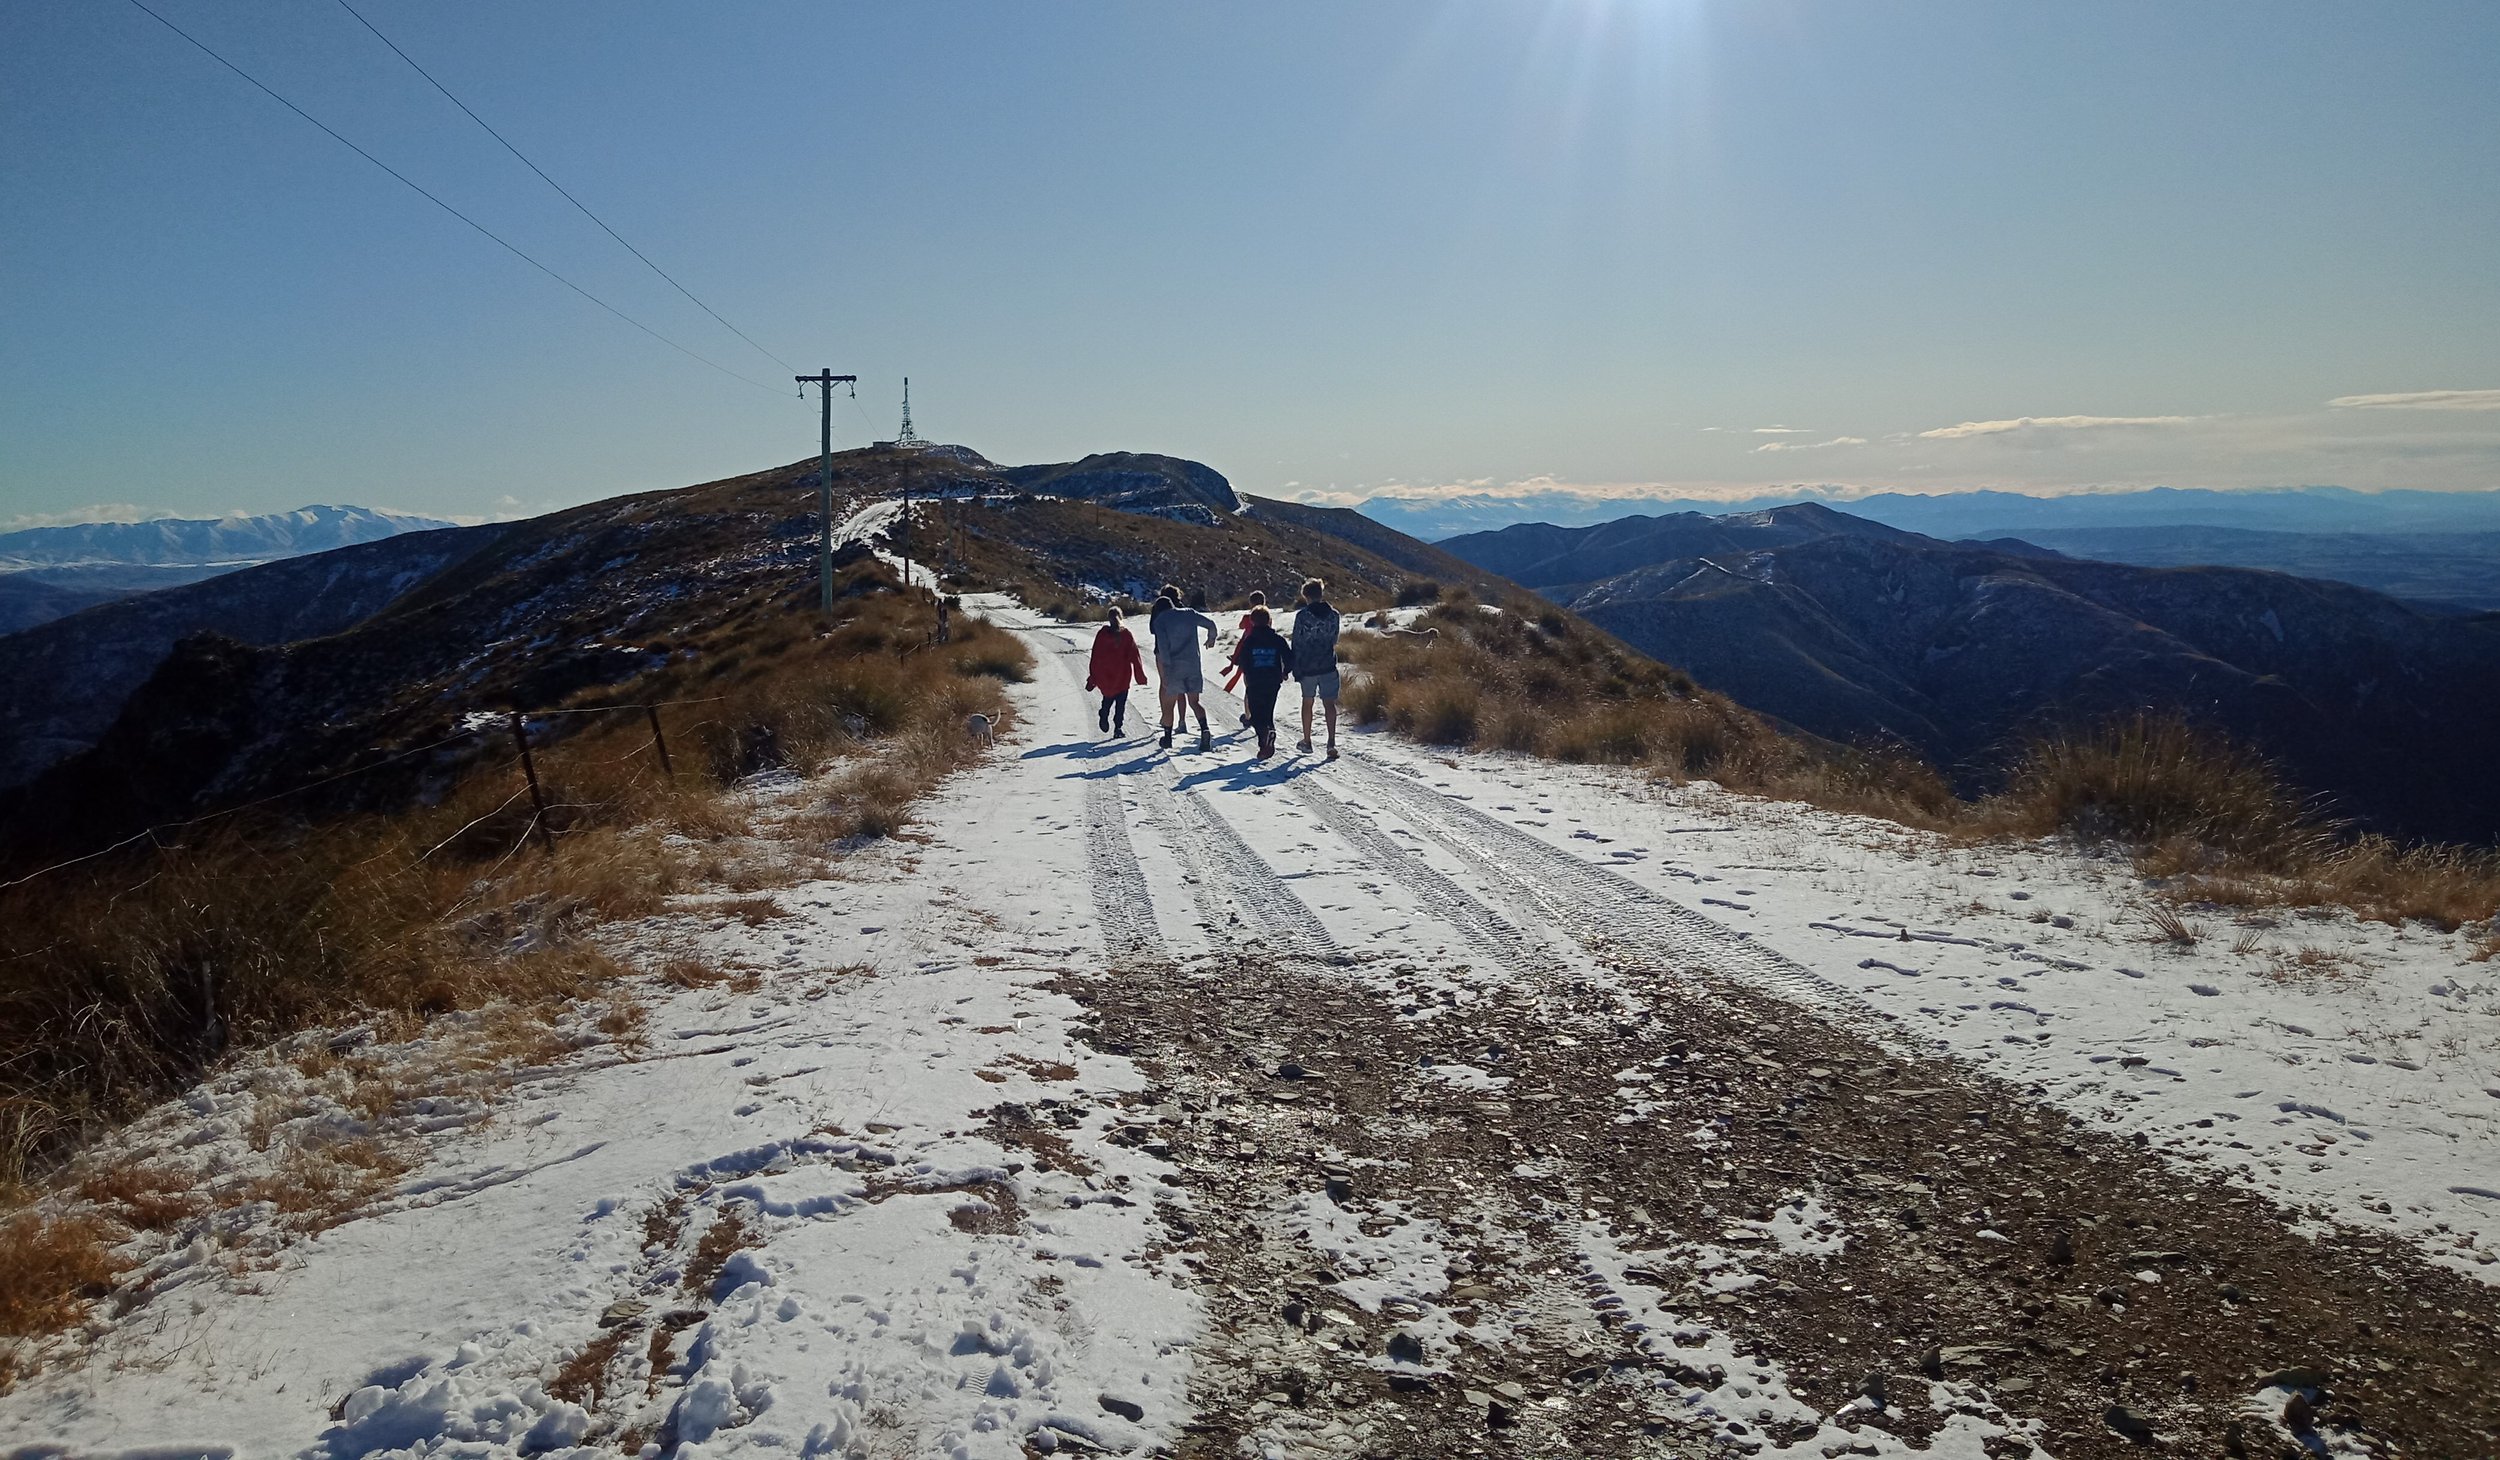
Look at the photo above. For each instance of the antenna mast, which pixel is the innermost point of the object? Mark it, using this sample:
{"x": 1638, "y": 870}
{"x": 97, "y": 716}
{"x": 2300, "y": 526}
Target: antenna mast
{"x": 907, "y": 438}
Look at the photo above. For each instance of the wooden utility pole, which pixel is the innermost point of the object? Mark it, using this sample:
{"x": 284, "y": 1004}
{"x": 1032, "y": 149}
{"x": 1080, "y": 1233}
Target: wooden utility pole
{"x": 659, "y": 742}
{"x": 824, "y": 381}
{"x": 538, "y": 798}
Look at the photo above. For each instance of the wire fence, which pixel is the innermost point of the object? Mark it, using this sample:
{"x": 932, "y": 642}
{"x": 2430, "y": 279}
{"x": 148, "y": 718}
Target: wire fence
{"x": 479, "y": 725}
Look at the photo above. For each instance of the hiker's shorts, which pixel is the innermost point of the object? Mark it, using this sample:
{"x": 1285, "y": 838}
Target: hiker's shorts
{"x": 1322, "y": 687}
{"x": 1181, "y": 673}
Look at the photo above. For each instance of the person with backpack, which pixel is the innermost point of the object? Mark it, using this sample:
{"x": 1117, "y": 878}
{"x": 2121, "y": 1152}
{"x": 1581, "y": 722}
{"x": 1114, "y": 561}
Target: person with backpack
{"x": 1232, "y": 676}
{"x": 1175, "y": 631}
{"x": 1263, "y": 656}
{"x": 1115, "y": 658}
{"x": 1315, "y": 659}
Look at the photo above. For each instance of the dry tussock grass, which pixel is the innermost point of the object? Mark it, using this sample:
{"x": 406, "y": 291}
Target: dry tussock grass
{"x": 317, "y": 1187}
{"x": 583, "y": 1378}
{"x": 719, "y": 1243}
{"x": 2213, "y": 823}
{"x": 132, "y": 976}
{"x": 145, "y": 1196}
{"x": 51, "y": 1269}
{"x": 1534, "y": 680}
{"x": 2153, "y": 782}
{"x": 2205, "y": 819}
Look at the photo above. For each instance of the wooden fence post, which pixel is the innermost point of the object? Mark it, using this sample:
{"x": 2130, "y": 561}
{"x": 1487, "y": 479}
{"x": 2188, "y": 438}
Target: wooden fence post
{"x": 538, "y": 799}
{"x": 659, "y": 741}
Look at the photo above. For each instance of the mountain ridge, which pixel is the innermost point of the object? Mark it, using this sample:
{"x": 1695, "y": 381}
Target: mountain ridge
{"x": 1958, "y": 649}
{"x": 1977, "y": 513}
{"x": 205, "y": 541}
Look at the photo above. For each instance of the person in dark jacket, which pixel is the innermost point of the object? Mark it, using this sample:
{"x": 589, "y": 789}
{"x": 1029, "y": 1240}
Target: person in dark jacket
{"x": 1315, "y": 659}
{"x": 1108, "y": 672}
{"x": 1263, "y": 656}
{"x": 1233, "y": 678}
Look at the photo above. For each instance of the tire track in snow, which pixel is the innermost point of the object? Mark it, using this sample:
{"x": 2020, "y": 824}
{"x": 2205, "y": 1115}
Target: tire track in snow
{"x": 1219, "y": 862}
{"x": 1223, "y": 862}
{"x": 1514, "y": 947}
{"x": 1122, "y": 903}
{"x": 1599, "y": 907}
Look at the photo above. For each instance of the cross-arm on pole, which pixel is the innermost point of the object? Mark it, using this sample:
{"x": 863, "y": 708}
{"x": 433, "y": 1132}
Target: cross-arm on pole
{"x": 824, "y": 381}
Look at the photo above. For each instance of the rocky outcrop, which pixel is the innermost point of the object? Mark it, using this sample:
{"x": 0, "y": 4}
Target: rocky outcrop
{"x": 1131, "y": 481}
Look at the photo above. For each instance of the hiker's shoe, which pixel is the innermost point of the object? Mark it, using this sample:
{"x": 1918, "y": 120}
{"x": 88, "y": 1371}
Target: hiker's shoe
{"x": 1305, "y": 746}
{"x": 1205, "y": 741}
{"x": 1332, "y": 752}
{"x": 1245, "y": 721}
{"x": 1167, "y": 740}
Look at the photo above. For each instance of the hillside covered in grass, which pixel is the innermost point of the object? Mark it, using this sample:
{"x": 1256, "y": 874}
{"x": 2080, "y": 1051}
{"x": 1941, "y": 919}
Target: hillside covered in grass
{"x": 2211, "y": 821}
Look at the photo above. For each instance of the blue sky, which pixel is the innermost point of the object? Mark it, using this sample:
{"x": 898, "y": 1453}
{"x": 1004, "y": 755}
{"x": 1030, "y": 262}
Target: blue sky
{"x": 1615, "y": 246}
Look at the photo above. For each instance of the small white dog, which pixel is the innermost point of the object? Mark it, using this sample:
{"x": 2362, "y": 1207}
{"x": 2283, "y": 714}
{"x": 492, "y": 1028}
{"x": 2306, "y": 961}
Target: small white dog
{"x": 978, "y": 727}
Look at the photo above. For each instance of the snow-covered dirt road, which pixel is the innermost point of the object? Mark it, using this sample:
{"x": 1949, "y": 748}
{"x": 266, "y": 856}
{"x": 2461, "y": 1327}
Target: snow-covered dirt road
{"x": 1154, "y": 1102}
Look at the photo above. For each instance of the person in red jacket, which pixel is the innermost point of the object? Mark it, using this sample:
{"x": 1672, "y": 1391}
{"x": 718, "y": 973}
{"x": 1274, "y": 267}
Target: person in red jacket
{"x": 1109, "y": 672}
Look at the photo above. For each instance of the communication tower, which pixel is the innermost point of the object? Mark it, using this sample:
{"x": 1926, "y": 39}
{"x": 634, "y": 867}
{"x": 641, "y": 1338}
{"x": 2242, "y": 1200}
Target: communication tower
{"x": 907, "y": 438}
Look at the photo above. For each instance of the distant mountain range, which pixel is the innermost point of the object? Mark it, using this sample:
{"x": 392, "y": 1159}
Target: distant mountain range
{"x": 47, "y": 572}
{"x": 1859, "y": 631}
{"x": 203, "y": 542}
{"x": 1953, "y": 515}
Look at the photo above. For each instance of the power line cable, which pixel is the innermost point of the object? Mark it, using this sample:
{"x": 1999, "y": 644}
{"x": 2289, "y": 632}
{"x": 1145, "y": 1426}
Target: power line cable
{"x": 499, "y": 239}
{"x": 559, "y": 187}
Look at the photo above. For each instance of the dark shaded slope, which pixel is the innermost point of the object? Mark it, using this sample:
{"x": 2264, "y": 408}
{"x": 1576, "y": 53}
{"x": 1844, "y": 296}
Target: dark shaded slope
{"x": 1385, "y": 543}
{"x": 26, "y": 601}
{"x": 539, "y": 612}
{"x": 1954, "y": 650}
{"x": 69, "y": 678}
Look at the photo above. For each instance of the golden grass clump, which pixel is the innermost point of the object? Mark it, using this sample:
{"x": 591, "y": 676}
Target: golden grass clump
{"x": 1533, "y": 680}
{"x": 51, "y": 1269}
{"x": 2214, "y": 823}
{"x": 2150, "y": 780}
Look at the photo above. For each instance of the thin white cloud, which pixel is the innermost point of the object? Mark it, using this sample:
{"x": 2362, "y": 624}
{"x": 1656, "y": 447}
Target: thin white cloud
{"x": 1811, "y": 445}
{"x": 1782, "y": 431}
{"x": 1547, "y": 488}
{"x": 2422, "y": 400}
{"x": 2064, "y": 423}
{"x": 93, "y": 512}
